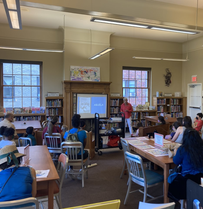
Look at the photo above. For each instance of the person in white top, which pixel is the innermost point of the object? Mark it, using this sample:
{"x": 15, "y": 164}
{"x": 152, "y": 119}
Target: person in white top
{"x": 8, "y": 135}
{"x": 8, "y": 123}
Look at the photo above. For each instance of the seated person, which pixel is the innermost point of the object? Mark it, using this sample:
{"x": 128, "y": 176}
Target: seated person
{"x": 82, "y": 125}
{"x": 8, "y": 135}
{"x": 64, "y": 128}
{"x": 15, "y": 182}
{"x": 198, "y": 122}
{"x": 174, "y": 127}
{"x": 30, "y": 134}
{"x": 82, "y": 136}
{"x": 190, "y": 156}
{"x": 187, "y": 123}
{"x": 139, "y": 124}
{"x": 161, "y": 120}
{"x": 51, "y": 128}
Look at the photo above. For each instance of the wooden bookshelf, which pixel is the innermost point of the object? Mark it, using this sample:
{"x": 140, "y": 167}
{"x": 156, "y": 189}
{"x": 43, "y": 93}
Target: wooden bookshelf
{"x": 115, "y": 105}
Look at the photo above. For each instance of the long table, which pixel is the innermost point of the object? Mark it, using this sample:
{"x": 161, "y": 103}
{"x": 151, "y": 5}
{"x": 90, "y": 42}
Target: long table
{"x": 40, "y": 159}
{"x": 163, "y": 161}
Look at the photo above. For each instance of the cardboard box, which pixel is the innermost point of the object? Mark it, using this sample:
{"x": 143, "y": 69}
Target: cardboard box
{"x": 90, "y": 145}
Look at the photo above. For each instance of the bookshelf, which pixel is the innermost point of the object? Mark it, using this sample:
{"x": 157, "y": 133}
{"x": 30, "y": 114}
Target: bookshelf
{"x": 175, "y": 106}
{"x": 139, "y": 116}
{"x": 115, "y": 105}
{"x": 54, "y": 107}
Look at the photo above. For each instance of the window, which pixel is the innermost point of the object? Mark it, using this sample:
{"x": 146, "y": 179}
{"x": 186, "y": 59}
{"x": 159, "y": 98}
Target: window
{"x": 136, "y": 85}
{"x": 21, "y": 85}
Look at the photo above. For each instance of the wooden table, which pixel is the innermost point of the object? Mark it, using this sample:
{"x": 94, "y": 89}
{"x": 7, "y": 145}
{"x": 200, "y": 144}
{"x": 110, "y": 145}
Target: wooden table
{"x": 155, "y": 119}
{"x": 164, "y": 162}
{"x": 21, "y": 126}
{"x": 40, "y": 159}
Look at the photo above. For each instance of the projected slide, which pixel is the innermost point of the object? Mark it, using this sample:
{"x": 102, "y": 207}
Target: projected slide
{"x": 89, "y": 104}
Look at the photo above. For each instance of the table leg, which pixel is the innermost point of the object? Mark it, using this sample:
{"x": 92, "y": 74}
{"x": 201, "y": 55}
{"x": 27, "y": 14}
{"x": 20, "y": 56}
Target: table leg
{"x": 166, "y": 174}
{"x": 51, "y": 194}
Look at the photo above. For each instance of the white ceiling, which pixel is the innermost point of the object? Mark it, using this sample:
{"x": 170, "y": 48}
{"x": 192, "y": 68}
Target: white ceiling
{"x": 34, "y": 17}
{"x": 187, "y": 3}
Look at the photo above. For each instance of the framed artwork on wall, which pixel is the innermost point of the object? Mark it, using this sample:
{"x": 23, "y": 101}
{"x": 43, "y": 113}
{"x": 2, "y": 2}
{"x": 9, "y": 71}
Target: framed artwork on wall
{"x": 79, "y": 73}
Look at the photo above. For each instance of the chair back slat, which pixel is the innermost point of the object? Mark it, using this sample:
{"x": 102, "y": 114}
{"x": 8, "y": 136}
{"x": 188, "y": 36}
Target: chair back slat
{"x": 135, "y": 168}
{"x": 23, "y": 141}
{"x": 125, "y": 145}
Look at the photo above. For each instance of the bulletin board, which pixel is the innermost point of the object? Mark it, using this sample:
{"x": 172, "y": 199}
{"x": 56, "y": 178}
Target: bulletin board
{"x": 78, "y": 73}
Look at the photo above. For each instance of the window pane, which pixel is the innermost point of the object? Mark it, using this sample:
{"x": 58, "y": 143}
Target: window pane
{"x": 27, "y": 102}
{"x": 139, "y": 83}
{"x": 138, "y": 101}
{"x": 7, "y": 80}
{"x": 36, "y": 80}
{"x": 7, "y": 68}
{"x": 17, "y": 80}
{"x": 131, "y": 83}
{"x": 144, "y": 92}
{"x": 36, "y": 92}
{"x": 132, "y": 75}
{"x": 17, "y": 91}
{"x": 125, "y": 83}
{"x": 35, "y": 69}
{"x": 7, "y": 92}
{"x": 139, "y": 93}
{"x": 132, "y": 93}
{"x": 26, "y": 80}
{"x": 17, "y": 102}
{"x": 138, "y": 74}
{"x": 144, "y": 74}
{"x": 144, "y": 83}
{"x": 35, "y": 102}
{"x": 125, "y": 74}
{"x": 26, "y": 91}
{"x": 132, "y": 101}
{"x": 26, "y": 69}
{"x": 16, "y": 68}
{"x": 8, "y": 103}
{"x": 144, "y": 100}
{"x": 126, "y": 92}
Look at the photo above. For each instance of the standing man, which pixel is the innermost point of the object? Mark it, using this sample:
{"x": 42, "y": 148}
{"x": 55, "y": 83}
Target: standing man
{"x": 127, "y": 109}
{"x": 8, "y": 123}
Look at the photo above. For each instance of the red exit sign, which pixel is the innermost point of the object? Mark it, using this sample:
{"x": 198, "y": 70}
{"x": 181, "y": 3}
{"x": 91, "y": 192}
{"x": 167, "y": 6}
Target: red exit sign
{"x": 194, "y": 78}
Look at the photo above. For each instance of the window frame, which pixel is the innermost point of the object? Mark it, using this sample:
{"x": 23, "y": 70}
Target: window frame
{"x": 19, "y": 62}
{"x": 148, "y": 80}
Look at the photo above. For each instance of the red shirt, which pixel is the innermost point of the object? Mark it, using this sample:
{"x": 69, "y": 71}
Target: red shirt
{"x": 199, "y": 125}
{"x": 128, "y": 107}
{"x": 56, "y": 129}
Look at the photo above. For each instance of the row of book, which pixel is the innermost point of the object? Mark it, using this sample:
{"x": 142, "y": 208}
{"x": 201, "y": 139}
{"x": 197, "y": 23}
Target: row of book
{"x": 174, "y": 101}
{"x": 134, "y": 123}
{"x": 114, "y": 102}
{"x": 52, "y": 111}
{"x": 161, "y": 101}
{"x": 24, "y": 110}
{"x": 177, "y": 115}
{"x": 143, "y": 114}
{"x": 160, "y": 108}
{"x": 114, "y": 109}
{"x": 175, "y": 108}
{"x": 134, "y": 115}
{"x": 54, "y": 103}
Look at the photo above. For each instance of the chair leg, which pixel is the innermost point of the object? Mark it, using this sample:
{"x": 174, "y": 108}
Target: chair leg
{"x": 181, "y": 204}
{"x": 41, "y": 205}
{"x": 145, "y": 194}
{"x": 128, "y": 191}
{"x": 83, "y": 178}
{"x": 124, "y": 164}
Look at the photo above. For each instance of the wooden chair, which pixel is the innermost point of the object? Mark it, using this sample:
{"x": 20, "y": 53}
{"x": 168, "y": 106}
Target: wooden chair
{"x": 61, "y": 168}
{"x": 24, "y": 141}
{"x": 113, "y": 204}
{"x": 26, "y": 203}
{"x": 71, "y": 149}
{"x": 139, "y": 175}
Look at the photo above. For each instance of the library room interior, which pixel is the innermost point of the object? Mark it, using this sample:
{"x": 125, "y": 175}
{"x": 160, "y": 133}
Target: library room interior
{"x": 101, "y": 104}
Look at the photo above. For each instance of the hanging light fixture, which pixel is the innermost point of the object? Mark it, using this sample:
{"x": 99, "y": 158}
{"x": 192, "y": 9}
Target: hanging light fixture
{"x": 101, "y": 53}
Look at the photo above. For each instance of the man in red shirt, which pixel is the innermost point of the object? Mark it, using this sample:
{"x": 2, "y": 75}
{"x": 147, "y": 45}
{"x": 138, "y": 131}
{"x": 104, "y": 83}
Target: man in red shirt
{"x": 127, "y": 109}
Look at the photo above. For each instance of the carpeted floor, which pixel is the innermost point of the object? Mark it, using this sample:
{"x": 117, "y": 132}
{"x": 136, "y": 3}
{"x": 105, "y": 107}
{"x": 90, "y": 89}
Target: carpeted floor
{"x": 104, "y": 184}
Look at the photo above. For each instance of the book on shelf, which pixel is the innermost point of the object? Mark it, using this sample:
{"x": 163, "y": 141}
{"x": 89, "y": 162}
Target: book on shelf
{"x": 54, "y": 103}
{"x": 9, "y": 110}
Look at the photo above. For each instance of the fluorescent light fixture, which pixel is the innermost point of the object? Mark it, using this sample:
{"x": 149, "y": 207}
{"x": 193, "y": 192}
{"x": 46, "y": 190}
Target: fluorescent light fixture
{"x": 118, "y": 23}
{"x": 175, "y": 30}
{"x": 12, "y": 8}
{"x": 146, "y": 26}
{"x": 34, "y": 50}
{"x": 156, "y": 58}
{"x": 101, "y": 53}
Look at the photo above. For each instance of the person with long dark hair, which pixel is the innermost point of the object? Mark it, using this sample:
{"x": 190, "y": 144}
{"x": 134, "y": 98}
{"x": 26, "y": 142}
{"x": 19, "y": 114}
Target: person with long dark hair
{"x": 187, "y": 123}
{"x": 8, "y": 136}
{"x": 198, "y": 123}
{"x": 161, "y": 120}
{"x": 190, "y": 156}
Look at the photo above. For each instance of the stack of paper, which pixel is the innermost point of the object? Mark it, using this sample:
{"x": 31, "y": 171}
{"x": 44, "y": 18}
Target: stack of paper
{"x": 42, "y": 173}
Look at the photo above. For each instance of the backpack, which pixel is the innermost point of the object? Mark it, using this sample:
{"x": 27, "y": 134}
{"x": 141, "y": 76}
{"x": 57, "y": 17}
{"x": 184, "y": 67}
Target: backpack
{"x": 73, "y": 138}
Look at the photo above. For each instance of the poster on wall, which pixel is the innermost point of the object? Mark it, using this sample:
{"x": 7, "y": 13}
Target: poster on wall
{"x": 78, "y": 73}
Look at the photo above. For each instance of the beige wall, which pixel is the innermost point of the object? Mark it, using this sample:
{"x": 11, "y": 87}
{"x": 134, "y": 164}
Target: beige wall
{"x": 80, "y": 45}
{"x": 41, "y": 39}
{"x": 194, "y": 66}
{"x": 126, "y": 48}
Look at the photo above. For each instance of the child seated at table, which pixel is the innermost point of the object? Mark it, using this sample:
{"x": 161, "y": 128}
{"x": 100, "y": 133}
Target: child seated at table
{"x": 30, "y": 134}
{"x": 8, "y": 135}
{"x": 174, "y": 127}
{"x": 139, "y": 124}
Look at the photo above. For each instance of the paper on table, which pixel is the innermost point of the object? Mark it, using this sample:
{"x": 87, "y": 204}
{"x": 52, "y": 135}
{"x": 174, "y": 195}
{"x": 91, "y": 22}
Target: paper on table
{"x": 136, "y": 142}
{"x": 144, "y": 146}
{"x": 142, "y": 138}
{"x": 157, "y": 152}
{"x": 42, "y": 173}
